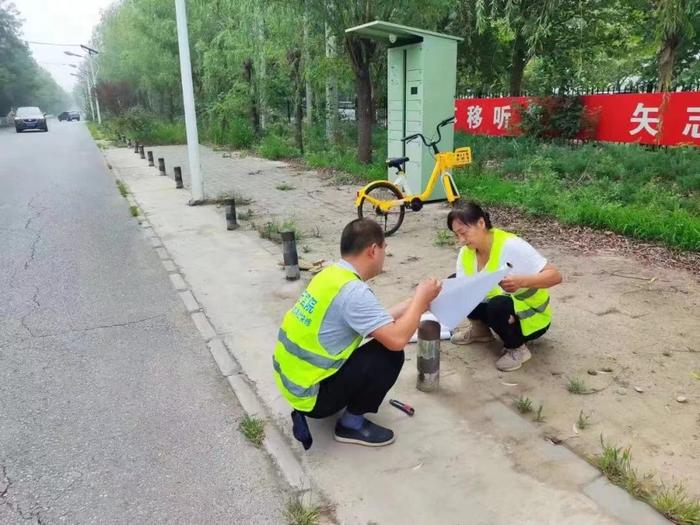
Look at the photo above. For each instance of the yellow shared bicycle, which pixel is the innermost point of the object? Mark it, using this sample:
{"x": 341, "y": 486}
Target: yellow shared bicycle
{"x": 386, "y": 202}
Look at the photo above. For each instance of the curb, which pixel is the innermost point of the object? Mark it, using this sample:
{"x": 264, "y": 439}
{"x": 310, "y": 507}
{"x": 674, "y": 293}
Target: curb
{"x": 275, "y": 443}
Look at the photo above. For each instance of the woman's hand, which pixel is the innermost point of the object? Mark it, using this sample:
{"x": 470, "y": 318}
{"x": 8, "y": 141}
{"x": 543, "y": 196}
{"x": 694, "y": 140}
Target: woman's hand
{"x": 511, "y": 283}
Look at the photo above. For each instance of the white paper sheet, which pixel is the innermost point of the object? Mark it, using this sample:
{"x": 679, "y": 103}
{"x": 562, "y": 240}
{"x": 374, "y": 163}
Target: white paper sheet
{"x": 459, "y": 296}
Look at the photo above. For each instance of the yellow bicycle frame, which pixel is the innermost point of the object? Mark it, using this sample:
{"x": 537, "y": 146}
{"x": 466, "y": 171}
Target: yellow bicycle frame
{"x": 443, "y": 162}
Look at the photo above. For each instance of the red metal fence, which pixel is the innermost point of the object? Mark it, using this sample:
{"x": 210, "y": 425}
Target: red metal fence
{"x": 664, "y": 119}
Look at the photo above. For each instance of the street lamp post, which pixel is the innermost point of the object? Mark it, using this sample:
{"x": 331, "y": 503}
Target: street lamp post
{"x": 196, "y": 184}
{"x": 87, "y": 83}
{"x": 90, "y": 52}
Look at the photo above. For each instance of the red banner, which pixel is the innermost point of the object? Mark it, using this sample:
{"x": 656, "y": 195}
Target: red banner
{"x": 666, "y": 119}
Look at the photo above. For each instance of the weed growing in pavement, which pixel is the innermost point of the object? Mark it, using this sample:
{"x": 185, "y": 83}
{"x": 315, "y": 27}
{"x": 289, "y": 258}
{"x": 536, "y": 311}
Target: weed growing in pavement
{"x": 134, "y": 211}
{"x": 616, "y": 464}
{"x": 540, "y": 417}
{"x": 284, "y": 187}
{"x": 296, "y": 513}
{"x": 122, "y": 188}
{"x": 253, "y": 429}
{"x": 223, "y": 198}
{"x": 444, "y": 238}
{"x": 523, "y": 404}
{"x": 584, "y": 421}
{"x": 246, "y": 215}
{"x": 675, "y": 504}
{"x": 305, "y": 248}
{"x": 577, "y": 386}
{"x": 272, "y": 230}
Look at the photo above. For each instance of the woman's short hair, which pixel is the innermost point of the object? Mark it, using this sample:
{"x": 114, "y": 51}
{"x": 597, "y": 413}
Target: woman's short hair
{"x": 468, "y": 213}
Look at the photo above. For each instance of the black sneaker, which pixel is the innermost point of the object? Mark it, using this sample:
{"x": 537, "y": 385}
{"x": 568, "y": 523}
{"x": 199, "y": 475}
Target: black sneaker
{"x": 369, "y": 435}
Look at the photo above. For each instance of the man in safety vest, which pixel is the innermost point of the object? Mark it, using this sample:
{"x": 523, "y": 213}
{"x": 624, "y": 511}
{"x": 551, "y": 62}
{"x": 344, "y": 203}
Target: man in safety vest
{"x": 319, "y": 363}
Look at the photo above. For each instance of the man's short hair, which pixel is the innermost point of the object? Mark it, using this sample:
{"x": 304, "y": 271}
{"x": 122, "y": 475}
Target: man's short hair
{"x": 360, "y": 234}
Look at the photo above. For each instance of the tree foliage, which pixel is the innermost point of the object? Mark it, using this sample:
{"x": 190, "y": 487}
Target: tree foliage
{"x": 22, "y": 81}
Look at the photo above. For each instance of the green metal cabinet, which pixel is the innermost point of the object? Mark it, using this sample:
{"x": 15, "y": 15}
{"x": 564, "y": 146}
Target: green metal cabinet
{"x": 422, "y": 75}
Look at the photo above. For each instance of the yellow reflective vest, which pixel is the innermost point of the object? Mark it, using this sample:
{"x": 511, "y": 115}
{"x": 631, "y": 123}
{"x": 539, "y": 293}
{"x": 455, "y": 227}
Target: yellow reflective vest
{"x": 300, "y": 361}
{"x": 531, "y": 305}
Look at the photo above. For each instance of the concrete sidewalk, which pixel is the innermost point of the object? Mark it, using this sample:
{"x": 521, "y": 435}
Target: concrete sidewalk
{"x": 457, "y": 461}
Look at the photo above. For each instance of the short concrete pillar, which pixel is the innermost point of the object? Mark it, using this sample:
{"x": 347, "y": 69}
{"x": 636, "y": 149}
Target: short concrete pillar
{"x": 231, "y": 219}
{"x": 136, "y": 146}
{"x": 150, "y": 158}
{"x": 428, "y": 356}
{"x": 177, "y": 171}
{"x": 161, "y": 165}
{"x": 141, "y": 152}
{"x": 291, "y": 259}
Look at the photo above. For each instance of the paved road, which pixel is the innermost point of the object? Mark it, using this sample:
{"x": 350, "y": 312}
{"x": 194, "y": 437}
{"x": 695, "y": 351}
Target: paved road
{"x": 111, "y": 409}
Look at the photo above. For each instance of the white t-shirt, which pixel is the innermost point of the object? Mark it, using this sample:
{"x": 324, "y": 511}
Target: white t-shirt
{"x": 519, "y": 253}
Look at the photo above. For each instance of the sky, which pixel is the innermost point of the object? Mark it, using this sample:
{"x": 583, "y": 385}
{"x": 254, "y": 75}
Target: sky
{"x": 62, "y": 22}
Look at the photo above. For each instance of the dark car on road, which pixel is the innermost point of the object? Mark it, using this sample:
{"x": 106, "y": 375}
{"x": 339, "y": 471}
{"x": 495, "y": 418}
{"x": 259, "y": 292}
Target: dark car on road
{"x": 30, "y": 118}
{"x": 69, "y": 116}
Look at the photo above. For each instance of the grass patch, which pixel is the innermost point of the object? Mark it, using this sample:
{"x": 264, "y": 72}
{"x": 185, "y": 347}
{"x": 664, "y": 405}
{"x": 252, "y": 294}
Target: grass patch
{"x": 134, "y": 211}
{"x": 284, "y": 187}
{"x": 305, "y": 248}
{"x": 122, "y": 188}
{"x": 523, "y": 405}
{"x": 675, "y": 504}
{"x": 444, "y": 238}
{"x": 296, "y": 513}
{"x": 253, "y": 429}
{"x": 650, "y": 195}
{"x": 584, "y": 421}
{"x": 276, "y": 147}
{"x": 577, "y": 386}
{"x": 272, "y": 230}
{"x": 246, "y": 215}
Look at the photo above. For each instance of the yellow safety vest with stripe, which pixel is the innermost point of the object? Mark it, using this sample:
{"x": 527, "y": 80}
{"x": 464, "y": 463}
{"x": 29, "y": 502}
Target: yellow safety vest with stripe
{"x": 300, "y": 360}
{"x": 531, "y": 305}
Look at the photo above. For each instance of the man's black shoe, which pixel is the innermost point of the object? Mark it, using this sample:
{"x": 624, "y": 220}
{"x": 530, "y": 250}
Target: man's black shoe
{"x": 369, "y": 435}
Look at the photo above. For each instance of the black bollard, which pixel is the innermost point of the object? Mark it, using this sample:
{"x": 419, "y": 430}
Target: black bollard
{"x": 161, "y": 165}
{"x": 141, "y": 153}
{"x": 231, "y": 219}
{"x": 291, "y": 259}
{"x": 428, "y": 356}
{"x": 136, "y": 146}
{"x": 178, "y": 184}
{"x": 150, "y": 158}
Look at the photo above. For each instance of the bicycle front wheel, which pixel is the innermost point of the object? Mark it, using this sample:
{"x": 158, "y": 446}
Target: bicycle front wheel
{"x": 383, "y": 191}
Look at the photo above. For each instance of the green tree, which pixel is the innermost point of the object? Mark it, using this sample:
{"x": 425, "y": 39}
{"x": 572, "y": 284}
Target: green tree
{"x": 674, "y": 27}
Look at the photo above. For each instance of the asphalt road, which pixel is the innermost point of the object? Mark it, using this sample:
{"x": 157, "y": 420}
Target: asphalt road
{"x": 111, "y": 408}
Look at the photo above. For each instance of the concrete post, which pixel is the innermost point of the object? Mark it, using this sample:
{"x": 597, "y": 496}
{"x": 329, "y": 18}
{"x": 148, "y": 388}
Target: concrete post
{"x": 141, "y": 152}
{"x": 231, "y": 219}
{"x": 150, "y": 158}
{"x": 291, "y": 259}
{"x": 136, "y": 146}
{"x": 161, "y": 165}
{"x": 428, "y": 356}
{"x": 178, "y": 179}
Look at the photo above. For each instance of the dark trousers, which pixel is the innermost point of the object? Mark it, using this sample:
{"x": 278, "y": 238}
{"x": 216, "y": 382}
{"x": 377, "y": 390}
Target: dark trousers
{"x": 361, "y": 384}
{"x": 496, "y": 313}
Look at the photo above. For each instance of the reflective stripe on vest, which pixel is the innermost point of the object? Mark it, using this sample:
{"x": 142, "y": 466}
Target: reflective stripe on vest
{"x": 531, "y": 305}
{"x": 300, "y": 360}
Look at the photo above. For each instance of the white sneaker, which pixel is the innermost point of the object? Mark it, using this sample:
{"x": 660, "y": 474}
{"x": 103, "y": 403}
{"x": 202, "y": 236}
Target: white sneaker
{"x": 513, "y": 358}
{"x": 476, "y": 332}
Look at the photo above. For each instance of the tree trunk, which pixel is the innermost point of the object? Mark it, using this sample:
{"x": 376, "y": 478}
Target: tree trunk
{"x": 666, "y": 61}
{"x": 331, "y": 89}
{"x": 361, "y": 52}
{"x": 294, "y": 59}
{"x": 252, "y": 96}
{"x": 262, "y": 68}
{"x": 307, "y": 64}
{"x": 519, "y": 60}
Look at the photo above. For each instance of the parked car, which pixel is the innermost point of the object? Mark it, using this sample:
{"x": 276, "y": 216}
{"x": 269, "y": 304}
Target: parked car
{"x": 69, "y": 115}
{"x": 30, "y": 118}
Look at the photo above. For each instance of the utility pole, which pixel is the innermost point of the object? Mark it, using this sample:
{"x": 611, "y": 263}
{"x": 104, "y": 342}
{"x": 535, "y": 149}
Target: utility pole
{"x": 94, "y": 81}
{"x": 188, "y": 103}
{"x": 87, "y": 94}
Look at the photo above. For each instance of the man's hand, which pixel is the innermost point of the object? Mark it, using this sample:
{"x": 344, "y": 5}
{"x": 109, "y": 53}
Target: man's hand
{"x": 512, "y": 283}
{"x": 426, "y": 291}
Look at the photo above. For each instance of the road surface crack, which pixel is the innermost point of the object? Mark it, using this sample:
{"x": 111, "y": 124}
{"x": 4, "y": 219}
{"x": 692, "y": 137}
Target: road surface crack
{"x": 83, "y": 330}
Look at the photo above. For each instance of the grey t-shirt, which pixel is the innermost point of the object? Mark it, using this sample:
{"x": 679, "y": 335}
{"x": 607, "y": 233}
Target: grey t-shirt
{"x": 354, "y": 311}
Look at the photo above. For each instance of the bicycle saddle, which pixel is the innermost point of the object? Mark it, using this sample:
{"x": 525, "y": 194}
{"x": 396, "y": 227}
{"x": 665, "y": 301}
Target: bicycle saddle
{"x": 398, "y": 162}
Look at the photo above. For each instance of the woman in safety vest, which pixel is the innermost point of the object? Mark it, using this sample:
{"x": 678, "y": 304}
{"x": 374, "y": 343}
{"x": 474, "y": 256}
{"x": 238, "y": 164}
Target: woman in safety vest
{"x": 518, "y": 308}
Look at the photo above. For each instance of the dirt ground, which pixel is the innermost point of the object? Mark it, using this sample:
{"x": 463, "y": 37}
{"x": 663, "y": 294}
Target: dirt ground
{"x": 625, "y": 320}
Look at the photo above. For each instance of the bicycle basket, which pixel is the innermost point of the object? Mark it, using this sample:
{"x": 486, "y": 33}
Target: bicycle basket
{"x": 463, "y": 156}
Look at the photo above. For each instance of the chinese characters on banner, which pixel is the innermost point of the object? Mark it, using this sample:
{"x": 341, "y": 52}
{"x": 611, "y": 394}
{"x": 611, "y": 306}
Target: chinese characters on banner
{"x": 665, "y": 119}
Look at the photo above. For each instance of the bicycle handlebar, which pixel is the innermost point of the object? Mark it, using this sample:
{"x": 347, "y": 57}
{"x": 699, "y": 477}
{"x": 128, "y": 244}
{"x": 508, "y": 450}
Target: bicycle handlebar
{"x": 422, "y": 137}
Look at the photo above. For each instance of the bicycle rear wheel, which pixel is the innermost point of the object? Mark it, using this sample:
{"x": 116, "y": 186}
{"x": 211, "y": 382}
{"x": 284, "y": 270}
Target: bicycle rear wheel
{"x": 383, "y": 191}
